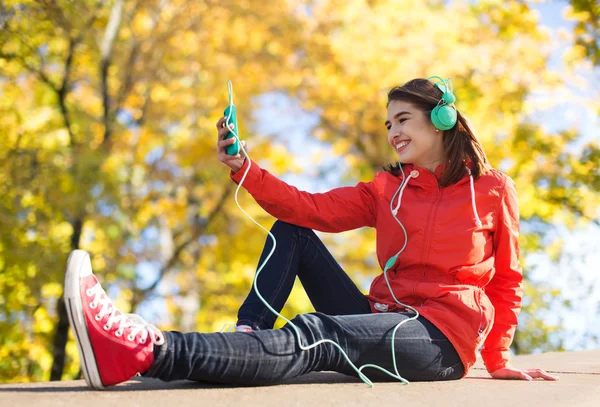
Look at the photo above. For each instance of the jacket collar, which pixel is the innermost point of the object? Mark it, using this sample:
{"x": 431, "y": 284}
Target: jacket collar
{"x": 427, "y": 177}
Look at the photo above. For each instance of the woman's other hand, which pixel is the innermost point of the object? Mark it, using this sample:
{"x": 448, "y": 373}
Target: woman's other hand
{"x": 512, "y": 373}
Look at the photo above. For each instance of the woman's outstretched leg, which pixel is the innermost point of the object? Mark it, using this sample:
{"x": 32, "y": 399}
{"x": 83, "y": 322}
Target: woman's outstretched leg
{"x": 114, "y": 346}
{"x": 271, "y": 356}
{"x": 299, "y": 252}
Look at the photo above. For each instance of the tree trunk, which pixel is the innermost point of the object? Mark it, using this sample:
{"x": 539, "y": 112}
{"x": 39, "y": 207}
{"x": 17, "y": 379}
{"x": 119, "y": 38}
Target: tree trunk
{"x": 62, "y": 327}
{"x": 60, "y": 341}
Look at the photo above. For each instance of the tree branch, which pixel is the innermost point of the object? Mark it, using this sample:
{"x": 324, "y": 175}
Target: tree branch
{"x": 13, "y": 151}
{"x": 142, "y": 119}
{"x": 40, "y": 74}
{"x": 58, "y": 14}
{"x": 176, "y": 253}
{"x": 64, "y": 89}
{"x": 128, "y": 80}
{"x": 61, "y": 91}
{"x": 112, "y": 28}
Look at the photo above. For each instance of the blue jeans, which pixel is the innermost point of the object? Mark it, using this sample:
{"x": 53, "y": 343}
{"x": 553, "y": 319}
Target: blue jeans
{"x": 300, "y": 253}
{"x": 343, "y": 315}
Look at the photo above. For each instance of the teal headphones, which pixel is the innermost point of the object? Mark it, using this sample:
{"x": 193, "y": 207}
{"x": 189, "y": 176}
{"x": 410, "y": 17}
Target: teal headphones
{"x": 444, "y": 116}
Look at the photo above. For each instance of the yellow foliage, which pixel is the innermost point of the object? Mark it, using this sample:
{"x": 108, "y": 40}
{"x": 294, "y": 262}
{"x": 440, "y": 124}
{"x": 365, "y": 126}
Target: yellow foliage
{"x": 132, "y": 155}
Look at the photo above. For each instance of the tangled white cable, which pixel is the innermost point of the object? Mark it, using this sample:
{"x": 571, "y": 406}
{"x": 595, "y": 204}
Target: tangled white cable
{"x": 390, "y": 263}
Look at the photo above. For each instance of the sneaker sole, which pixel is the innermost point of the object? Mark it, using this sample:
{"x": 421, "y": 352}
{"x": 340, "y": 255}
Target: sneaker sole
{"x": 73, "y": 302}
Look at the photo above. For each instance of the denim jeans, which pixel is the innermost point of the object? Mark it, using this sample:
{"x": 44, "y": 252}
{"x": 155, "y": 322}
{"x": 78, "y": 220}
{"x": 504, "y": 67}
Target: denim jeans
{"x": 343, "y": 315}
{"x": 301, "y": 253}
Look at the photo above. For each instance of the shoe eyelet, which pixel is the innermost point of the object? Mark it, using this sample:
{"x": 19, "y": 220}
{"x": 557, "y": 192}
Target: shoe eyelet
{"x": 106, "y": 327}
{"x": 143, "y": 341}
{"x": 130, "y": 338}
{"x": 97, "y": 317}
{"x": 118, "y": 333}
{"x": 88, "y": 292}
{"x": 93, "y": 305}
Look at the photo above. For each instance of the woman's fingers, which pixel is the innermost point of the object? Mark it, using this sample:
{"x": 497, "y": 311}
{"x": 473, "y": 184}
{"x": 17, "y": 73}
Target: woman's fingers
{"x": 235, "y": 162}
{"x": 525, "y": 376}
{"x": 221, "y": 129}
{"x": 223, "y": 132}
{"x": 220, "y": 123}
{"x": 519, "y": 374}
{"x": 540, "y": 374}
{"x": 224, "y": 143}
{"x": 221, "y": 147}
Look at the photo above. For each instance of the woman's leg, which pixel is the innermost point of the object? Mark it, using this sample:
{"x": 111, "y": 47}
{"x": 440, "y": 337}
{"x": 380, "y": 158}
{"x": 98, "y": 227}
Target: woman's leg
{"x": 114, "y": 346}
{"x": 270, "y": 356}
{"x": 299, "y": 252}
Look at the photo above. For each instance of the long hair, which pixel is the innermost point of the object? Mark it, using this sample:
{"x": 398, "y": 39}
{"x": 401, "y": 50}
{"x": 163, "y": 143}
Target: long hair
{"x": 460, "y": 143}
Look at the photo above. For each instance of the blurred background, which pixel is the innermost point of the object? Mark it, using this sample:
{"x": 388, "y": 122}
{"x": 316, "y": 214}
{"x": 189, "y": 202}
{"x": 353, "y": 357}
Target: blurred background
{"x": 107, "y": 143}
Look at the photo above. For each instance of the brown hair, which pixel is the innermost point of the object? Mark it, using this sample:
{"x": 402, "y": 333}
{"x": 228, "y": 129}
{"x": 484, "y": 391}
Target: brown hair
{"x": 460, "y": 143}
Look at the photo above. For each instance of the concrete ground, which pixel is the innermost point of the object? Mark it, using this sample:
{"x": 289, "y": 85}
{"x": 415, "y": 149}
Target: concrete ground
{"x": 579, "y": 385}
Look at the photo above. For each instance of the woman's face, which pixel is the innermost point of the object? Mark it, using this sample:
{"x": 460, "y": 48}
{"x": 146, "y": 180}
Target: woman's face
{"x": 413, "y": 136}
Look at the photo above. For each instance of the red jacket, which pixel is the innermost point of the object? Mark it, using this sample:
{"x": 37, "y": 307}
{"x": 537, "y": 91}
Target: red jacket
{"x": 464, "y": 279}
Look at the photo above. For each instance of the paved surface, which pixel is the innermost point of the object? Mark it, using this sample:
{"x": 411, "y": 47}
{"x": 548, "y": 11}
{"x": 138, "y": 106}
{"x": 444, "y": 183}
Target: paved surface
{"x": 579, "y": 385}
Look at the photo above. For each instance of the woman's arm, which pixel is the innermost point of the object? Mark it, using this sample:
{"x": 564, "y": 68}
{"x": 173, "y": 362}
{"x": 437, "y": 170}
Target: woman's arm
{"x": 505, "y": 292}
{"x": 335, "y": 211}
{"x": 338, "y": 210}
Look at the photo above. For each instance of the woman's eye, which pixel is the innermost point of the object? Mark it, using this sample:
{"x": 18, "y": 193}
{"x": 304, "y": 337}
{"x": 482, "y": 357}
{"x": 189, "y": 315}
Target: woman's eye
{"x": 388, "y": 127}
{"x": 403, "y": 120}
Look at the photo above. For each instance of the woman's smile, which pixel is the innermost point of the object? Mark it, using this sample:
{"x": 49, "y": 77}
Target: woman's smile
{"x": 401, "y": 146}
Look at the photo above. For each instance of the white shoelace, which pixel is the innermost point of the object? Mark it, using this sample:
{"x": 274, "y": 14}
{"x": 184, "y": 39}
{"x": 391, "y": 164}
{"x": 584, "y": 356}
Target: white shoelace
{"x": 136, "y": 323}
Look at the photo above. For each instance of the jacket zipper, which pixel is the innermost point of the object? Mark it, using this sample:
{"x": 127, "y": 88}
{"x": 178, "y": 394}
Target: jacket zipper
{"x": 430, "y": 223}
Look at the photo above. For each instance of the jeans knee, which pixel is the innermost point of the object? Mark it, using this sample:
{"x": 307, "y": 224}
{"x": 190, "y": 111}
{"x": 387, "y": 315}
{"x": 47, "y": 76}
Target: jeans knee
{"x": 313, "y": 326}
{"x": 301, "y": 321}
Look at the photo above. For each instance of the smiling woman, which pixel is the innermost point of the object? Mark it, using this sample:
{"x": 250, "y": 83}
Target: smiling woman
{"x": 417, "y": 141}
{"x": 449, "y": 252}
{"x": 413, "y": 136}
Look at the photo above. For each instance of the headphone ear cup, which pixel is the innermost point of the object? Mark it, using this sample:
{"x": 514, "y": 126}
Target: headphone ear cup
{"x": 443, "y": 117}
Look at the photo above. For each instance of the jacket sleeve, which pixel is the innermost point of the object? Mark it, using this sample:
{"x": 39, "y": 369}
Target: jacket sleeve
{"x": 338, "y": 210}
{"x": 505, "y": 289}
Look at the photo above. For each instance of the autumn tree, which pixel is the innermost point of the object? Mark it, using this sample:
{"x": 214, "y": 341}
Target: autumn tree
{"x": 586, "y": 13}
{"x": 108, "y": 144}
{"x": 107, "y": 116}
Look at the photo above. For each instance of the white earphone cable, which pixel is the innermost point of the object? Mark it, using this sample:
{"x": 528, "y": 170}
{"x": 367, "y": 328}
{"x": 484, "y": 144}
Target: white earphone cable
{"x": 390, "y": 263}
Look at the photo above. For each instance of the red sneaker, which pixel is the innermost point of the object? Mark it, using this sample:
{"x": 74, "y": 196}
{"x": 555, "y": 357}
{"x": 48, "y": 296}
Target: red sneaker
{"x": 236, "y": 328}
{"x": 243, "y": 328}
{"x": 113, "y": 346}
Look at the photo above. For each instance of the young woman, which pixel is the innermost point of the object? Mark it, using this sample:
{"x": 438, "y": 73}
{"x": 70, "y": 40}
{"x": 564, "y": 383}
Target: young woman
{"x": 447, "y": 230}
